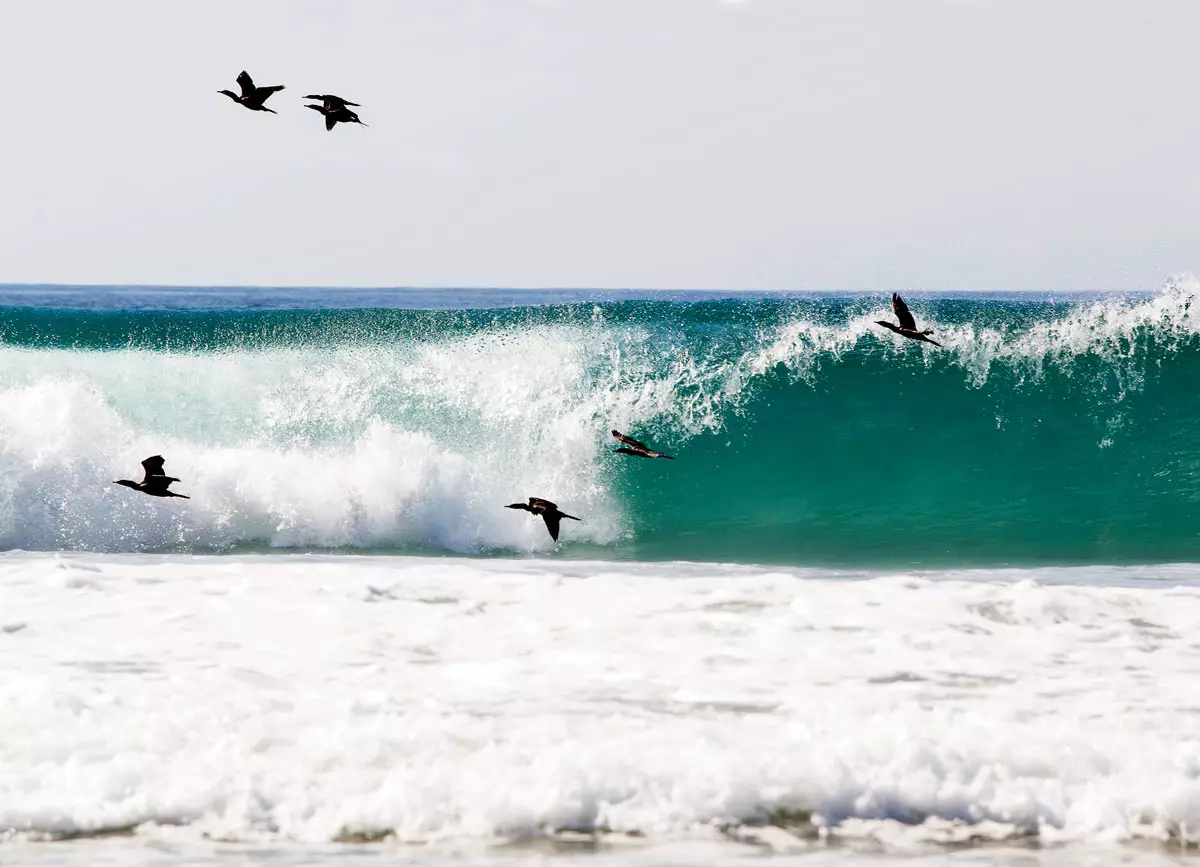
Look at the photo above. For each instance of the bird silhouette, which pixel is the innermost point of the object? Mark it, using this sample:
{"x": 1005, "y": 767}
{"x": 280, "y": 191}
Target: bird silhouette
{"x": 908, "y": 325}
{"x": 252, "y": 97}
{"x": 155, "y": 482}
{"x": 549, "y": 512}
{"x": 331, "y": 101}
{"x": 638, "y": 448}
{"x": 336, "y": 114}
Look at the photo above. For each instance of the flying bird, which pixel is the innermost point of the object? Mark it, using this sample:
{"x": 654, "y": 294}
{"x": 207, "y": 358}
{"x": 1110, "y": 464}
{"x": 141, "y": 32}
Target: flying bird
{"x": 908, "y": 325}
{"x": 637, "y": 448}
{"x": 252, "y": 97}
{"x": 156, "y": 482}
{"x": 549, "y": 512}
{"x": 336, "y": 114}
{"x": 331, "y": 101}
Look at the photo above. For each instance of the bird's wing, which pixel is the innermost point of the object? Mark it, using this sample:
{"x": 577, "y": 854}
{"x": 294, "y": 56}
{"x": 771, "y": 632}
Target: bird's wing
{"x": 153, "y": 465}
{"x": 246, "y": 83}
{"x": 545, "y": 504}
{"x": 319, "y": 96}
{"x": 262, "y": 94}
{"x": 330, "y": 121}
{"x": 901, "y": 310}
{"x": 552, "y": 519}
{"x": 630, "y": 441}
{"x": 159, "y": 483}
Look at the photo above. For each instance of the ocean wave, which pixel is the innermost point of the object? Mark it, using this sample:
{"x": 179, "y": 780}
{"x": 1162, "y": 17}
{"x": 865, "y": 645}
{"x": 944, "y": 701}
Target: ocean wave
{"x": 801, "y": 428}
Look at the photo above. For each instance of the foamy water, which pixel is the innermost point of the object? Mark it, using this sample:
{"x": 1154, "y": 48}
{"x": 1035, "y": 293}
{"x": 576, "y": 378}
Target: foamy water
{"x": 409, "y": 433}
{"x": 283, "y": 701}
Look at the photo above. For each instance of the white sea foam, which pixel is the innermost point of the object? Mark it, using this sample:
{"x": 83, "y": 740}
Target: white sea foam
{"x": 316, "y": 698}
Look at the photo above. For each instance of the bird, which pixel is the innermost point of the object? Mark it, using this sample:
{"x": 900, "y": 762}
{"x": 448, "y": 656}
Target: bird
{"x": 156, "y": 482}
{"x": 332, "y": 101}
{"x": 636, "y": 448}
{"x": 336, "y": 114}
{"x": 908, "y": 325}
{"x": 550, "y": 513}
{"x": 252, "y": 97}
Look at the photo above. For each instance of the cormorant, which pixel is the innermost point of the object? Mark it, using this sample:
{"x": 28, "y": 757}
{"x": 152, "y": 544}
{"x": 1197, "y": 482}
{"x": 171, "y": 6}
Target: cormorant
{"x": 332, "y": 101}
{"x": 156, "y": 483}
{"x": 639, "y": 449}
{"x": 908, "y": 325}
{"x": 549, "y": 512}
{"x": 336, "y": 114}
{"x": 252, "y": 97}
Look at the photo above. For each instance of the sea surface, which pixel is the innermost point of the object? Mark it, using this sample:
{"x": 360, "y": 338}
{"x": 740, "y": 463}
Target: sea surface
{"x": 890, "y": 602}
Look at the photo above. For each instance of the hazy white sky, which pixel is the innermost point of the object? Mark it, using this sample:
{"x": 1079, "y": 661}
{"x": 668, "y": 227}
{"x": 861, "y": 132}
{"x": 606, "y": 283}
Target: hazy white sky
{"x": 605, "y": 143}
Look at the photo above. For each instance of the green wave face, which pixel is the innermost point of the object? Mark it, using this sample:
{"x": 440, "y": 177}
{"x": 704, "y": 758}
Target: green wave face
{"x": 805, "y": 433}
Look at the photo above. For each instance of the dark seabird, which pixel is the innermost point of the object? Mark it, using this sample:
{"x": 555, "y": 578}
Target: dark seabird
{"x": 549, "y": 512}
{"x": 908, "y": 325}
{"x": 156, "y": 483}
{"x": 335, "y": 115}
{"x": 332, "y": 101}
{"x": 637, "y": 448}
{"x": 252, "y": 97}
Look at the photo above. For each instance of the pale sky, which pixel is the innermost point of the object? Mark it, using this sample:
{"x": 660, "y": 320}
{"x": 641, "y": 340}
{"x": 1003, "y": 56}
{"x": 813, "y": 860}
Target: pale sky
{"x": 760, "y": 144}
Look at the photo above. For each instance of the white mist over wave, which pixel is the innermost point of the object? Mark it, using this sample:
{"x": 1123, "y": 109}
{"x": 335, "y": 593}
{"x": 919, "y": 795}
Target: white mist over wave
{"x": 356, "y": 445}
{"x": 317, "y": 698}
{"x": 1106, "y": 328}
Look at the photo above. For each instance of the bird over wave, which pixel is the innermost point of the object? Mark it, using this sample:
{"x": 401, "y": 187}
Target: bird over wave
{"x": 156, "y": 482}
{"x": 550, "y": 513}
{"x": 908, "y": 325}
{"x": 637, "y": 448}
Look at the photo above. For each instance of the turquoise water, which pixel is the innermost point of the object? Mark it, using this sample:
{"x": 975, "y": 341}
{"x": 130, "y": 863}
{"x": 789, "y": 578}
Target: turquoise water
{"x": 1048, "y": 430}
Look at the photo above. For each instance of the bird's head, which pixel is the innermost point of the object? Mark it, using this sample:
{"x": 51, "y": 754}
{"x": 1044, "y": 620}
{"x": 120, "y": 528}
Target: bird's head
{"x": 319, "y": 108}
{"x": 230, "y": 94}
{"x": 517, "y": 506}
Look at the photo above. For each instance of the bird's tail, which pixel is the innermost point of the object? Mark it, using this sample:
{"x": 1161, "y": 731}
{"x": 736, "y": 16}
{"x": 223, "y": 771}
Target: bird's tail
{"x": 572, "y": 517}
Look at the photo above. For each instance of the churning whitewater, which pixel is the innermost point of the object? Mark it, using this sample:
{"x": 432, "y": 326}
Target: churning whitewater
{"x": 312, "y": 699}
{"x": 1044, "y": 431}
{"x": 163, "y": 677}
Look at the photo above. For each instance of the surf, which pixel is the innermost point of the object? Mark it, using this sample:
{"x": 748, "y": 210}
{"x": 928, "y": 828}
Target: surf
{"x": 1044, "y": 431}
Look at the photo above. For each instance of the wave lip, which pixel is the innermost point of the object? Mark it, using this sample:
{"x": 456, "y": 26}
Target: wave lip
{"x": 326, "y": 698}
